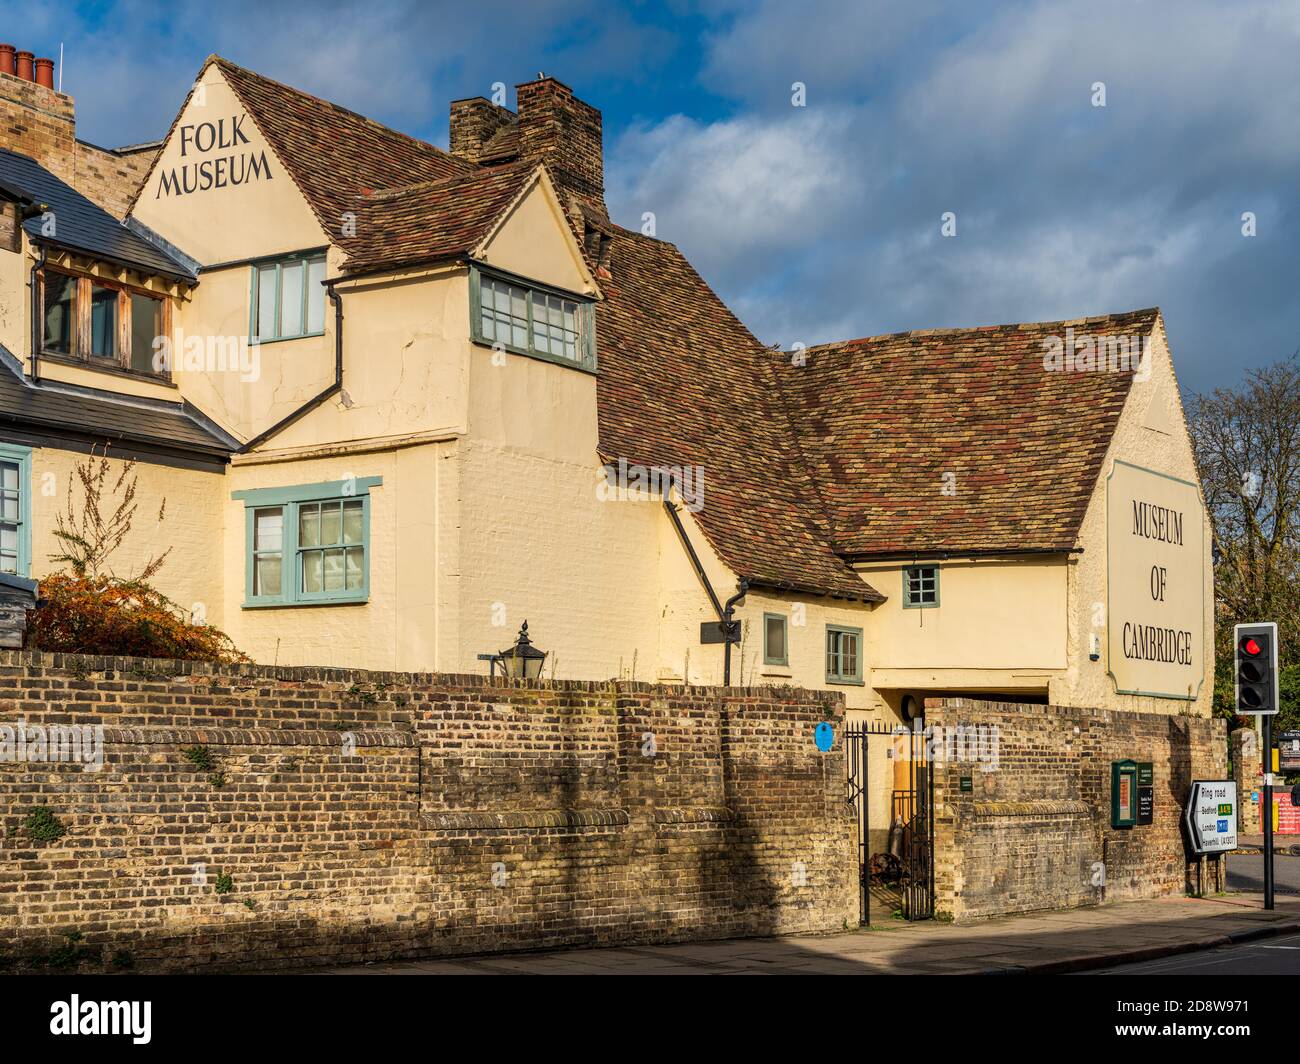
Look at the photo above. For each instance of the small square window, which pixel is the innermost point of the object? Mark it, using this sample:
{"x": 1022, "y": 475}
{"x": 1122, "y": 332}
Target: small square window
{"x": 776, "y": 650}
{"x": 920, "y": 586}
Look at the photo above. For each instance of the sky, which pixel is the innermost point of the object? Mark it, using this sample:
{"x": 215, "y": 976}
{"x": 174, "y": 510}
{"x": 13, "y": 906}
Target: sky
{"x": 804, "y": 155}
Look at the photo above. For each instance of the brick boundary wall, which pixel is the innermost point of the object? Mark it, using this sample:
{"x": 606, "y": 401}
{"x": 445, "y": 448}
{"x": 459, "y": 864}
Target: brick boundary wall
{"x": 1248, "y": 771}
{"x": 1032, "y": 833}
{"x": 365, "y": 816}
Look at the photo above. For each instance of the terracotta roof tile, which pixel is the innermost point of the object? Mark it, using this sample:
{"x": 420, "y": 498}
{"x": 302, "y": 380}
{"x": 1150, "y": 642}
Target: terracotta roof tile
{"x": 334, "y": 154}
{"x": 431, "y": 220}
{"x": 682, "y": 382}
{"x": 881, "y": 421}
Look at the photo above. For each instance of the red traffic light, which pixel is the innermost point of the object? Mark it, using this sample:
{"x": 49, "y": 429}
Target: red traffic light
{"x": 1251, "y": 647}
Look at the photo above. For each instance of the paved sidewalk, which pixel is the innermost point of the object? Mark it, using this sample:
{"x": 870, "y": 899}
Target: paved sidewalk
{"x": 1047, "y": 943}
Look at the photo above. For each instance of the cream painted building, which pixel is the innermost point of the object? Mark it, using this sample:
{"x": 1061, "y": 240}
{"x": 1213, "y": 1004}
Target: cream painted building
{"x": 400, "y": 400}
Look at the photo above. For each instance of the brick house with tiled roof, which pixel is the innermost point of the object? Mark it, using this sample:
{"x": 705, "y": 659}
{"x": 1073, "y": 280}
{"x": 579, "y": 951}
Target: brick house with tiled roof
{"x": 470, "y": 399}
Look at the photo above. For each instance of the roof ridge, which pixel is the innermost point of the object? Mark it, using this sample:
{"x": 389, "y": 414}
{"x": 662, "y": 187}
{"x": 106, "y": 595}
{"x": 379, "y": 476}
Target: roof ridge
{"x": 230, "y": 64}
{"x": 835, "y": 345}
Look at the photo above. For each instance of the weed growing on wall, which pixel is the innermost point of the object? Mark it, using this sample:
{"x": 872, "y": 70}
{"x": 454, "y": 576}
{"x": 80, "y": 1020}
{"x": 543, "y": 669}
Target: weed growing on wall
{"x": 43, "y": 826}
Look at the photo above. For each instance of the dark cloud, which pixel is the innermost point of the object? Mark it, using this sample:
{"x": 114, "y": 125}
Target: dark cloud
{"x": 822, "y": 222}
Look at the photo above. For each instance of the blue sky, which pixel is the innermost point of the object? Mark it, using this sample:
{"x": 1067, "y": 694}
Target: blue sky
{"x": 823, "y": 221}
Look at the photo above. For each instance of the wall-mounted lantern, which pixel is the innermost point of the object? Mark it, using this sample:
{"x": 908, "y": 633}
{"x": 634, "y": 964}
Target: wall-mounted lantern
{"x": 523, "y": 661}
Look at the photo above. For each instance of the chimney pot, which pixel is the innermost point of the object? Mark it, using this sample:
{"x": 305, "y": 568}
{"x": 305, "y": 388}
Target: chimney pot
{"x": 24, "y": 66}
{"x": 45, "y": 72}
{"x": 7, "y": 58}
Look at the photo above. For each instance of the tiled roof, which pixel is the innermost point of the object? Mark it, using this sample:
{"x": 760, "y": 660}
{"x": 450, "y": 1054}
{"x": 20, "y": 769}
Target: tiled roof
{"x": 432, "y": 219}
{"x": 682, "y": 382}
{"x": 883, "y": 419}
{"x": 81, "y": 225}
{"x": 331, "y": 153}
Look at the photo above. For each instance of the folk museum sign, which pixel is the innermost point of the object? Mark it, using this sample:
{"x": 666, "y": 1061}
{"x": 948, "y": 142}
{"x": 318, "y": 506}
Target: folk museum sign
{"x": 1155, "y": 583}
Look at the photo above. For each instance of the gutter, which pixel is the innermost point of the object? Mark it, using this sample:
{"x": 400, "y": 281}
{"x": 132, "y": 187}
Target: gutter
{"x": 947, "y": 555}
{"x": 316, "y": 400}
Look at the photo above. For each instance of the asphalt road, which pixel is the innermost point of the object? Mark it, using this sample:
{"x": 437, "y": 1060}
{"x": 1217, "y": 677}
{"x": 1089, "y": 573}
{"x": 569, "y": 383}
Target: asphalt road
{"x": 1270, "y": 956}
{"x": 1246, "y": 873}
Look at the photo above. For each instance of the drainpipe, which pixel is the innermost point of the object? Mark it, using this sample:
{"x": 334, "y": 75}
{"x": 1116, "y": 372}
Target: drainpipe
{"x": 312, "y": 403}
{"x": 741, "y": 589}
{"x": 37, "y": 266}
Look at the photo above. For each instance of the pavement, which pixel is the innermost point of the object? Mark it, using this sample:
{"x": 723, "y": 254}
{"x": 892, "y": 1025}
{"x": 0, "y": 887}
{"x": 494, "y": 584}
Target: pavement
{"x": 1050, "y": 943}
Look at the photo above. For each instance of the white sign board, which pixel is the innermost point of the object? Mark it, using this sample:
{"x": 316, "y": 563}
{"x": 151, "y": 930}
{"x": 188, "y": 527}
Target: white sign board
{"x": 1211, "y": 816}
{"x": 1155, "y": 583}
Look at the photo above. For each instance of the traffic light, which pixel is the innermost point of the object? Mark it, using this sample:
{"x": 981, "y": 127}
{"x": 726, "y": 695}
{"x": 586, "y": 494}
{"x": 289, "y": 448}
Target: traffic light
{"x": 1256, "y": 662}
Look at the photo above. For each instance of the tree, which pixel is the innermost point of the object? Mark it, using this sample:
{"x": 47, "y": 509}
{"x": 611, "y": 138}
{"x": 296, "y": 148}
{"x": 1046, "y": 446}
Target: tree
{"x": 1247, "y": 444}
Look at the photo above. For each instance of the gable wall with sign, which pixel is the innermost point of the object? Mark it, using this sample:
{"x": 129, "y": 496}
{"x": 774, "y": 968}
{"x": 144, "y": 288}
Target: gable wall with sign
{"x": 1144, "y": 579}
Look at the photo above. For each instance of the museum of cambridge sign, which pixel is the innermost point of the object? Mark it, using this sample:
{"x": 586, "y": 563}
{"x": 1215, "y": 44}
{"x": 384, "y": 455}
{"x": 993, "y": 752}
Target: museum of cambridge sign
{"x": 1155, "y": 584}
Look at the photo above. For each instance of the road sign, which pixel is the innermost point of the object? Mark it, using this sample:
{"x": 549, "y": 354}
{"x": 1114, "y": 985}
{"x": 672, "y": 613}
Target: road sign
{"x": 1211, "y": 816}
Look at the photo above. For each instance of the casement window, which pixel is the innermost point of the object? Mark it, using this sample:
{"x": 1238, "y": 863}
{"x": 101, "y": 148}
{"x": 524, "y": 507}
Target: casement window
{"x": 920, "y": 586}
{"x": 15, "y": 510}
{"x": 100, "y": 322}
{"x": 530, "y": 320}
{"x": 308, "y": 544}
{"x": 288, "y": 299}
{"x": 776, "y": 631}
{"x": 843, "y": 654}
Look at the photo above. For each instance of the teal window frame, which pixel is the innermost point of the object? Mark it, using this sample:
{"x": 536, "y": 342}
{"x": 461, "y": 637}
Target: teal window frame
{"x": 908, "y": 603}
{"x": 22, "y": 456}
{"x": 279, "y": 263}
{"x": 291, "y": 499}
{"x": 586, "y": 319}
{"x": 836, "y": 674}
{"x": 768, "y": 658}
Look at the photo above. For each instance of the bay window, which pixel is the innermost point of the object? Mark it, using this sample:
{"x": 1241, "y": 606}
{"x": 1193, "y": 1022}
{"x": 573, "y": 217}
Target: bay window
{"x": 100, "y": 322}
{"x": 529, "y": 319}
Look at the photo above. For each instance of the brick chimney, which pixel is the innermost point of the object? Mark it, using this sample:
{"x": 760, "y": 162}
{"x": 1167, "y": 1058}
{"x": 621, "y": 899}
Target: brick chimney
{"x": 557, "y": 128}
{"x": 36, "y": 120}
{"x": 473, "y": 124}
{"x": 552, "y": 126}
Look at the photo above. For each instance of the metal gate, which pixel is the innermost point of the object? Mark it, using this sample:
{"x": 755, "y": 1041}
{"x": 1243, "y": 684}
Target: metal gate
{"x": 902, "y": 872}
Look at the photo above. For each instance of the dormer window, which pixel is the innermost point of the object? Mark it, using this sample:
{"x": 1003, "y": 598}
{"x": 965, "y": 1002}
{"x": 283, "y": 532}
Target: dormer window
{"x": 529, "y": 319}
{"x": 102, "y": 323}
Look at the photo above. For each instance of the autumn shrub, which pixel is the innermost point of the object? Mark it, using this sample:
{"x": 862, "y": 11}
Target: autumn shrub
{"x": 86, "y": 608}
{"x": 105, "y": 615}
